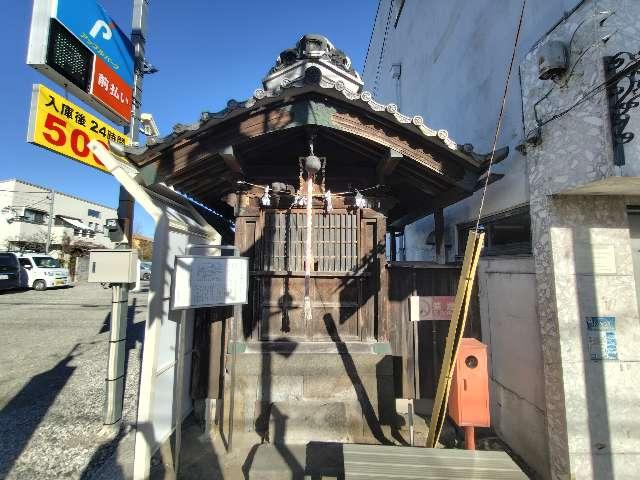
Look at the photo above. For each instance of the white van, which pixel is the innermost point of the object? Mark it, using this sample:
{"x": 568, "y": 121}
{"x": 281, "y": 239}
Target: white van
{"x": 40, "y": 271}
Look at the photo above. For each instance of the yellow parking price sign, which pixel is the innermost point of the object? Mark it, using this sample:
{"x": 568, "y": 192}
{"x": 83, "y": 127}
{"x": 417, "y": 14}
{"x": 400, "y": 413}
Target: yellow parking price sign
{"x": 61, "y": 126}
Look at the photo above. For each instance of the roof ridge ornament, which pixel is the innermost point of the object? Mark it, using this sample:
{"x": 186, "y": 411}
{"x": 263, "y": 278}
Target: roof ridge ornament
{"x": 313, "y": 51}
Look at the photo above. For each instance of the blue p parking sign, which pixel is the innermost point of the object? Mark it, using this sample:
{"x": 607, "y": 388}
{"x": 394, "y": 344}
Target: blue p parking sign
{"x": 93, "y": 26}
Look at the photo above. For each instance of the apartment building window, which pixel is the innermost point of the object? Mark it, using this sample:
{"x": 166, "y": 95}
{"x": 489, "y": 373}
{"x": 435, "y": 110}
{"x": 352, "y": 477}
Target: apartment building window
{"x": 34, "y": 216}
{"x": 93, "y": 213}
{"x": 506, "y": 233}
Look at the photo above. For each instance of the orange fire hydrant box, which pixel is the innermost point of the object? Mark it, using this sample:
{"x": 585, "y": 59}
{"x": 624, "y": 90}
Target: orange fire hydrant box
{"x": 469, "y": 395}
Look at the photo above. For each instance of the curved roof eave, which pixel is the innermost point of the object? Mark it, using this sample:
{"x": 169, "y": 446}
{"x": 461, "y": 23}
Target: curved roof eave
{"x": 262, "y": 98}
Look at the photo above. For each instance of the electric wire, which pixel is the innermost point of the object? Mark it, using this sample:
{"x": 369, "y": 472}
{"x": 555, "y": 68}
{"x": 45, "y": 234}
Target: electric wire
{"x": 633, "y": 66}
{"x": 373, "y": 31}
{"x": 573, "y": 67}
{"x": 382, "y": 48}
{"x": 500, "y": 115}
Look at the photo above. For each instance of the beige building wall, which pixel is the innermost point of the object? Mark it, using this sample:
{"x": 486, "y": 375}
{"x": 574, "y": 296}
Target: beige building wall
{"x": 18, "y": 195}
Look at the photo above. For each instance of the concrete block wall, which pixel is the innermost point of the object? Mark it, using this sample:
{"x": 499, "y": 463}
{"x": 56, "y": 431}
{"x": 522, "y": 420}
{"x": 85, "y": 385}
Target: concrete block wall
{"x": 506, "y": 287}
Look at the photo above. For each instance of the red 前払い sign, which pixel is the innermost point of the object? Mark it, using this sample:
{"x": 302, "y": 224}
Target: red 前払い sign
{"x": 111, "y": 90}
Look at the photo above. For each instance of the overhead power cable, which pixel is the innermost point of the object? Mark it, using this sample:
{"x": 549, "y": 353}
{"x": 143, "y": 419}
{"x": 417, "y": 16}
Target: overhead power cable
{"x": 373, "y": 31}
{"x": 501, "y": 114}
{"x": 382, "y": 48}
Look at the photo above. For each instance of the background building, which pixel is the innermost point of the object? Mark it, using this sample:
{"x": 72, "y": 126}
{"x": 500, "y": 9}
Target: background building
{"x": 25, "y": 209}
{"x": 144, "y": 245}
{"x": 557, "y": 284}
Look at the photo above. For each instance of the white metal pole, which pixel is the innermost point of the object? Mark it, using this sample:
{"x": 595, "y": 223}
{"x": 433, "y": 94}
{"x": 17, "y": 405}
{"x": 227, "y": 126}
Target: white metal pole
{"x": 237, "y": 315}
{"x": 115, "y": 390}
{"x": 115, "y": 367}
{"x": 177, "y": 396}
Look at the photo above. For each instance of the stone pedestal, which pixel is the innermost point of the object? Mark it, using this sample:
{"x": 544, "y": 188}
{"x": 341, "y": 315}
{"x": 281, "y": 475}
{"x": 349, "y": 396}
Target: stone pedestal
{"x": 291, "y": 397}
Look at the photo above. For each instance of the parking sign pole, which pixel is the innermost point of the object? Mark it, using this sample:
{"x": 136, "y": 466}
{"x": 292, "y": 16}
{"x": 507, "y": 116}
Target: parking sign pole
{"x": 116, "y": 361}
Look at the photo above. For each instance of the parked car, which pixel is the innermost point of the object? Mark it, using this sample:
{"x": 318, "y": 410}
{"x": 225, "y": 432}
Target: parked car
{"x": 9, "y": 271}
{"x": 40, "y": 271}
{"x": 145, "y": 270}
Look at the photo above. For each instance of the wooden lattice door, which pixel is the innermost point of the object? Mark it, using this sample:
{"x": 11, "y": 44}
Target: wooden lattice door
{"x": 339, "y": 284}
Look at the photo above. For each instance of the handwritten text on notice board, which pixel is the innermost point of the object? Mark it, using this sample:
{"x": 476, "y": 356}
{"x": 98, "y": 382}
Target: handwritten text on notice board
{"x": 201, "y": 281}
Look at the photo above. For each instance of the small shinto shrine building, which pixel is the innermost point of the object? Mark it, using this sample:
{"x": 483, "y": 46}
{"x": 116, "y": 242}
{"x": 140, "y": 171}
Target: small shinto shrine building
{"x": 325, "y": 343}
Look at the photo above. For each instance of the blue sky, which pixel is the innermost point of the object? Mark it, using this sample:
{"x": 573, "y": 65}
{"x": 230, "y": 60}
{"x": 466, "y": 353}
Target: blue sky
{"x": 208, "y": 51}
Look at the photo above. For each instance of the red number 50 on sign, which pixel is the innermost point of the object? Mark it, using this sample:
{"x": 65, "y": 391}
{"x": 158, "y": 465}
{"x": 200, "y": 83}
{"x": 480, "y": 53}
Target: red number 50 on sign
{"x": 63, "y": 127}
{"x": 78, "y": 141}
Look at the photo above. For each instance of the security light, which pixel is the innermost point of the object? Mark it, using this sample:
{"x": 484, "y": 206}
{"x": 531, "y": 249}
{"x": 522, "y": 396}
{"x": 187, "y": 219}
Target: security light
{"x": 148, "y": 125}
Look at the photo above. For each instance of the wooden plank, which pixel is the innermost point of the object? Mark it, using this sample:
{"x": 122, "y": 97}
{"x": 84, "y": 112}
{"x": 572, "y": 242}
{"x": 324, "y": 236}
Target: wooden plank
{"x": 339, "y": 240}
{"x": 332, "y": 240}
{"x": 217, "y": 352}
{"x": 403, "y": 463}
{"x": 382, "y": 317}
{"x": 456, "y": 328}
{"x": 349, "y": 240}
{"x": 294, "y": 241}
{"x": 325, "y": 243}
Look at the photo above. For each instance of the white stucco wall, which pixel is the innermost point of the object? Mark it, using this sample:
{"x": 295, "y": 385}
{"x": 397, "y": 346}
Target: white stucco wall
{"x": 454, "y": 56}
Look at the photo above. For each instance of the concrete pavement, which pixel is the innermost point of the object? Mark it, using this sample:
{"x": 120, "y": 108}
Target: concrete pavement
{"x": 53, "y": 352}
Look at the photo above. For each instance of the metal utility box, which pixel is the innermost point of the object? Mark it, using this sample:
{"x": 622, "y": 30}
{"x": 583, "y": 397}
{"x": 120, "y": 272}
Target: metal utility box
{"x": 113, "y": 266}
{"x": 469, "y": 397}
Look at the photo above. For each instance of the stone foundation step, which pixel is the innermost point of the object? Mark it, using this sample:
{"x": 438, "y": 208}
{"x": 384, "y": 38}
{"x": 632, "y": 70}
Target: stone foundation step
{"x": 287, "y": 347}
{"x": 265, "y": 364}
{"x": 314, "y": 421}
{"x": 295, "y": 461}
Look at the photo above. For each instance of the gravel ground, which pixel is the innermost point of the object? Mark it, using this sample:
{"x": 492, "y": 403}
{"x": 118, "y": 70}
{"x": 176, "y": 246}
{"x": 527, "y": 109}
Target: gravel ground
{"x": 53, "y": 352}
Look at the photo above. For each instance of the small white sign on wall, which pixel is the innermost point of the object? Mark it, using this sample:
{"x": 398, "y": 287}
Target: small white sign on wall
{"x": 595, "y": 259}
{"x": 204, "y": 281}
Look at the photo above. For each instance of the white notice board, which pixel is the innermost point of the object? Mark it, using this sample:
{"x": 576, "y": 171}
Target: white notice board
{"x": 204, "y": 281}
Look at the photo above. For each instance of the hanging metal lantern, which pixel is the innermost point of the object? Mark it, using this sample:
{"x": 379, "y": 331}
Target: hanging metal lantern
{"x": 312, "y": 163}
{"x": 360, "y": 200}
